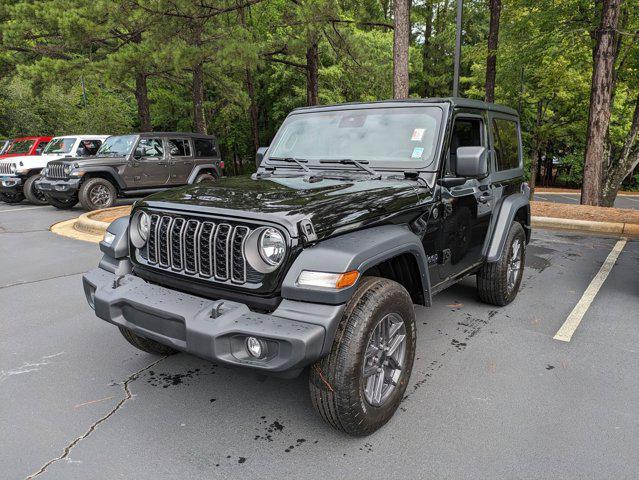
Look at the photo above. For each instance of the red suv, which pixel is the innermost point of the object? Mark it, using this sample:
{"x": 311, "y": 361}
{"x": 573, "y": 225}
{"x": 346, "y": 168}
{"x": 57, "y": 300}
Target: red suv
{"x": 26, "y": 146}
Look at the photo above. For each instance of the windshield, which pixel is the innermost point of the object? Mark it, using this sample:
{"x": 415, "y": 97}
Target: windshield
{"x": 394, "y": 137}
{"x": 23, "y": 146}
{"x": 121, "y": 145}
{"x": 60, "y": 146}
{"x": 4, "y": 145}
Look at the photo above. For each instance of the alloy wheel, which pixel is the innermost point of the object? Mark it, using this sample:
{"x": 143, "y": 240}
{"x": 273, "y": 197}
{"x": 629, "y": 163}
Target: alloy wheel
{"x": 384, "y": 359}
{"x": 100, "y": 196}
{"x": 514, "y": 265}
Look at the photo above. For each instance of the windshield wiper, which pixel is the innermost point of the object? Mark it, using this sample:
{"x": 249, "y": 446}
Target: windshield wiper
{"x": 292, "y": 160}
{"x": 360, "y": 164}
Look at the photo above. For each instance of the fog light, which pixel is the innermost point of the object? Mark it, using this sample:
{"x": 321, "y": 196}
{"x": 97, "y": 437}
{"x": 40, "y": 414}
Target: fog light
{"x": 256, "y": 347}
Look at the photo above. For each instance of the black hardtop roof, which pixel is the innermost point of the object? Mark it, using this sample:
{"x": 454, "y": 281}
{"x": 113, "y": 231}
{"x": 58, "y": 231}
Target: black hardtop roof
{"x": 175, "y": 134}
{"x": 453, "y": 101}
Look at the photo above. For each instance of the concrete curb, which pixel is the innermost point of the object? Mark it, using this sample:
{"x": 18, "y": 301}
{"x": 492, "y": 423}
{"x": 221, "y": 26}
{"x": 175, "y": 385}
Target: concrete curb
{"x": 86, "y": 224}
{"x": 587, "y": 226}
{"x": 84, "y": 227}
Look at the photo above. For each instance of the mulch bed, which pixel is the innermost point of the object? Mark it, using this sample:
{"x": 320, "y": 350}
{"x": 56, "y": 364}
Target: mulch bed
{"x": 584, "y": 212}
{"x": 111, "y": 214}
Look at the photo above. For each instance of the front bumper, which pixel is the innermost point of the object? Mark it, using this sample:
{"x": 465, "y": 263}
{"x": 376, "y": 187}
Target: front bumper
{"x": 213, "y": 329}
{"x": 58, "y": 188}
{"x": 10, "y": 182}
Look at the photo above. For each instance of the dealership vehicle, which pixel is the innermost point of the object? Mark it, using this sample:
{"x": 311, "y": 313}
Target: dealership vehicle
{"x": 132, "y": 165}
{"x": 18, "y": 175}
{"x": 356, "y": 213}
{"x": 4, "y": 145}
{"x": 25, "y": 146}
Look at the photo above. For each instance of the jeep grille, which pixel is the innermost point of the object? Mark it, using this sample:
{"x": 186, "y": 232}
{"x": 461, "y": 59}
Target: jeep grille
{"x": 55, "y": 170}
{"x": 5, "y": 169}
{"x": 208, "y": 249}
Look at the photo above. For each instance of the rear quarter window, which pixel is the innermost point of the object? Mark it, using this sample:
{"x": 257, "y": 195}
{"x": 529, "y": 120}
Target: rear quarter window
{"x": 506, "y": 137}
{"x": 205, "y": 147}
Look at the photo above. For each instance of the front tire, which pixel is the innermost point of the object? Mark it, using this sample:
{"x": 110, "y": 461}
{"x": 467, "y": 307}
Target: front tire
{"x": 11, "y": 197}
{"x": 498, "y": 282}
{"x": 32, "y": 193}
{"x": 358, "y": 387}
{"x": 145, "y": 344}
{"x": 62, "y": 203}
{"x": 97, "y": 193}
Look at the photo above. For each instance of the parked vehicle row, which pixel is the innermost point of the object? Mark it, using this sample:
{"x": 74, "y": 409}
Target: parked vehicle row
{"x": 96, "y": 170}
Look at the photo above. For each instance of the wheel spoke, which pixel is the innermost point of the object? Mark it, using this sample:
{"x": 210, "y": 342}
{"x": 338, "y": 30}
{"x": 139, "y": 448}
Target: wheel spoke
{"x": 378, "y": 388}
{"x": 369, "y": 370}
{"x": 396, "y": 342}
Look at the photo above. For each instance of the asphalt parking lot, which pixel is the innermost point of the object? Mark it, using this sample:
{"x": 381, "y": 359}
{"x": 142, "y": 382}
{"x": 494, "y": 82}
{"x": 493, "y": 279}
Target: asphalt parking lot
{"x": 492, "y": 395}
{"x": 622, "y": 201}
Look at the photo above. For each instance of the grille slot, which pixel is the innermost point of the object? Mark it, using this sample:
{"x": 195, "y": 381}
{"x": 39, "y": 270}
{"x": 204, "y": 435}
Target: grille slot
{"x": 199, "y": 248}
{"x": 55, "y": 170}
{"x": 5, "y": 169}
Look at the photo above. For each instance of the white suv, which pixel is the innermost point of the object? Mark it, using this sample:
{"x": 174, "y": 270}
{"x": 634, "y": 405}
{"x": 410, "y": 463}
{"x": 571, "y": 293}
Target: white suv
{"x": 18, "y": 174}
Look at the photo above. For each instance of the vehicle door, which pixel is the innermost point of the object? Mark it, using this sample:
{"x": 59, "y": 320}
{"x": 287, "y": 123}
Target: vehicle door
{"x": 149, "y": 165}
{"x": 40, "y": 146}
{"x": 180, "y": 156}
{"x": 465, "y": 209}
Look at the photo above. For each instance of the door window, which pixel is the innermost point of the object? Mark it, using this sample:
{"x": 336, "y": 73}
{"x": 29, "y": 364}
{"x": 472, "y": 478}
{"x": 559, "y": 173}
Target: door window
{"x": 506, "y": 143}
{"x": 150, "y": 147}
{"x": 88, "y": 147}
{"x": 467, "y": 132}
{"x": 40, "y": 148}
{"x": 179, "y": 147}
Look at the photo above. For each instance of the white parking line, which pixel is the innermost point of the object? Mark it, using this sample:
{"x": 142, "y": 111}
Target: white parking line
{"x": 22, "y": 209}
{"x": 574, "y": 319}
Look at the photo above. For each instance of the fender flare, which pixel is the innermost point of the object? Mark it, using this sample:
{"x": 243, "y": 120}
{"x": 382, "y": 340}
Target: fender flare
{"x": 502, "y": 221}
{"x": 359, "y": 251}
{"x": 106, "y": 169}
{"x": 198, "y": 168}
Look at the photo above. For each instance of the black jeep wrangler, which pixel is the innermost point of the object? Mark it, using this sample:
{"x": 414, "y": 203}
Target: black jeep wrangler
{"x": 131, "y": 165}
{"x": 356, "y": 213}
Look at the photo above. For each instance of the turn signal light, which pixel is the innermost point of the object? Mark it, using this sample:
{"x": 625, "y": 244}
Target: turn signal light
{"x": 328, "y": 280}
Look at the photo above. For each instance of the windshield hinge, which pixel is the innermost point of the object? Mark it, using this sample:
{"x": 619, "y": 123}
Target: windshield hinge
{"x": 307, "y": 231}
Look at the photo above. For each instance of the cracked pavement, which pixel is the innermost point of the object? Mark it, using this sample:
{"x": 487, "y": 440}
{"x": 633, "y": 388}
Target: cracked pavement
{"x": 492, "y": 395}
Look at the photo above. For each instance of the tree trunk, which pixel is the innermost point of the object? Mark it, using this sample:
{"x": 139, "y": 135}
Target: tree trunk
{"x": 142, "y": 100}
{"x": 401, "y": 41}
{"x": 312, "y": 74}
{"x": 534, "y": 166}
{"x": 426, "y": 53}
{"x": 253, "y": 112}
{"x": 628, "y": 161}
{"x": 493, "y": 42}
{"x": 199, "y": 119}
{"x": 600, "y": 103}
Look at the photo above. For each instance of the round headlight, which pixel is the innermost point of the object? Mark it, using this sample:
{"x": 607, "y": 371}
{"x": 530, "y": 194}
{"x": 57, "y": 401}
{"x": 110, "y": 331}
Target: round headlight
{"x": 272, "y": 246}
{"x": 144, "y": 224}
{"x": 13, "y": 168}
{"x": 139, "y": 228}
{"x": 67, "y": 169}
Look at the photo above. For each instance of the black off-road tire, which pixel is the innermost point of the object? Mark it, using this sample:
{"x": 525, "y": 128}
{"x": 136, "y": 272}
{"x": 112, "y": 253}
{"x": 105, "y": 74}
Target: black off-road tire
{"x": 62, "y": 203}
{"x": 492, "y": 278}
{"x": 88, "y": 190}
{"x": 145, "y": 344}
{"x": 336, "y": 381}
{"x": 11, "y": 197}
{"x": 205, "y": 178}
{"x": 31, "y": 192}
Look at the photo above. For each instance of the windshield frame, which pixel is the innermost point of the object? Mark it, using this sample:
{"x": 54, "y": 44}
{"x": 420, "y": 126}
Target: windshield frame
{"x": 46, "y": 149}
{"x": 31, "y": 142}
{"x": 136, "y": 139}
{"x": 431, "y": 166}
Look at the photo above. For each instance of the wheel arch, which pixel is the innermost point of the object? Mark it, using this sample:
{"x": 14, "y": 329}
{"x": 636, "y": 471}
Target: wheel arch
{"x": 514, "y": 207}
{"x": 107, "y": 174}
{"x": 198, "y": 169}
{"x": 389, "y": 251}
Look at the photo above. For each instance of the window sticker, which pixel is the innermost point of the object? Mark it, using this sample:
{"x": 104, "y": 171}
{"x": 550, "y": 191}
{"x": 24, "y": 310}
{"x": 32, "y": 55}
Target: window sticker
{"x": 418, "y": 135}
{"x": 417, "y": 152}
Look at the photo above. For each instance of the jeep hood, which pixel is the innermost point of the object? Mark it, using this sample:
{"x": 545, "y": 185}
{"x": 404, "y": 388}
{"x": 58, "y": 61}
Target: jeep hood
{"x": 332, "y": 205}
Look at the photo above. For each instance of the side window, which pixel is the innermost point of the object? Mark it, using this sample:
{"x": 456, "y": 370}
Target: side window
{"x": 40, "y": 148}
{"x": 88, "y": 147}
{"x": 506, "y": 144}
{"x": 150, "y": 147}
{"x": 205, "y": 147}
{"x": 179, "y": 147}
{"x": 467, "y": 132}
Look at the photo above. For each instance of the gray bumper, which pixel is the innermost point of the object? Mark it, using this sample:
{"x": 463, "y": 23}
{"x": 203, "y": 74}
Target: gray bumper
{"x": 8, "y": 182}
{"x": 296, "y": 333}
{"x": 61, "y": 188}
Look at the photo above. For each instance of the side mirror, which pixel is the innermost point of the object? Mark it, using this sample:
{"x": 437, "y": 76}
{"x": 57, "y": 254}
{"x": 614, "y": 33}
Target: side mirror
{"x": 137, "y": 154}
{"x": 472, "y": 162}
{"x": 259, "y": 155}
